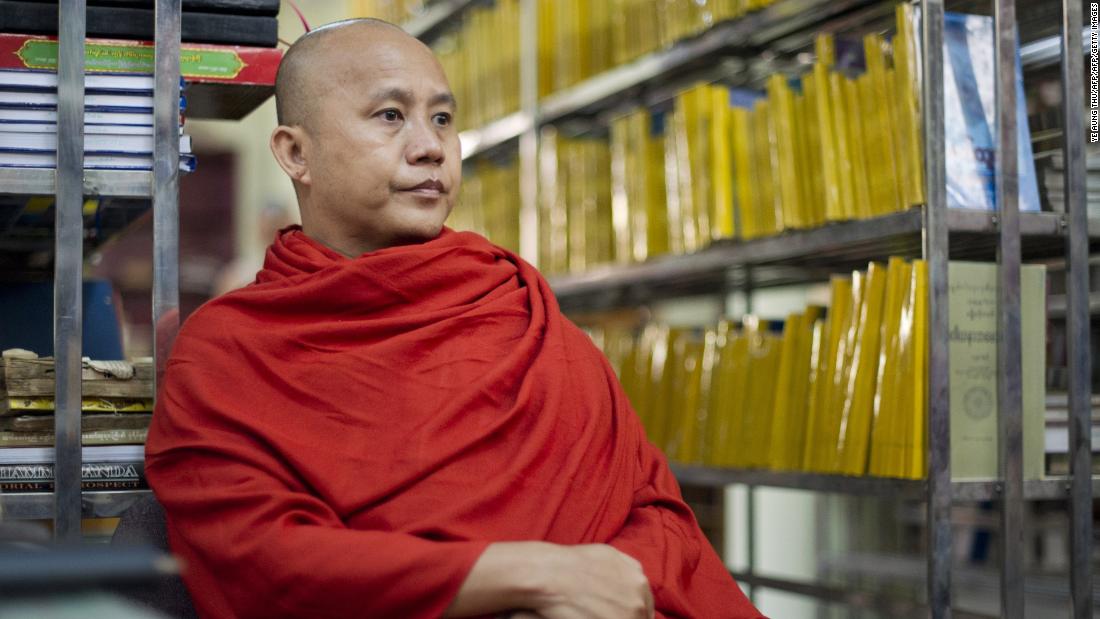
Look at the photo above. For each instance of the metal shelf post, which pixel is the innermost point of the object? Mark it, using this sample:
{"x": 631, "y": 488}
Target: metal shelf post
{"x": 68, "y": 259}
{"x": 1077, "y": 315}
{"x": 166, "y": 175}
{"x": 1009, "y": 361}
{"x": 936, "y": 254}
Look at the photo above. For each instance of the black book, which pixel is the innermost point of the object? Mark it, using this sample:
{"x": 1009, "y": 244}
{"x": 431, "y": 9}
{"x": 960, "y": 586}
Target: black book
{"x": 130, "y": 23}
{"x": 237, "y": 7}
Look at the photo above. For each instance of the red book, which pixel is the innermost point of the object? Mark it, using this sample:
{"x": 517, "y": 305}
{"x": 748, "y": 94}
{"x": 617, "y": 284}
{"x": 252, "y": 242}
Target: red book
{"x": 223, "y": 81}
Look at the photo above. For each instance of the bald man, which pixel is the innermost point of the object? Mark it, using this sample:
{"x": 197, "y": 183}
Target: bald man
{"x": 395, "y": 420}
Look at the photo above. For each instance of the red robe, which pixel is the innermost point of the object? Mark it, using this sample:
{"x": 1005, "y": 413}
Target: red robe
{"x": 344, "y": 437}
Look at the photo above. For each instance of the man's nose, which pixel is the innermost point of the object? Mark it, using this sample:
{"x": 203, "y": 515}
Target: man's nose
{"x": 425, "y": 145}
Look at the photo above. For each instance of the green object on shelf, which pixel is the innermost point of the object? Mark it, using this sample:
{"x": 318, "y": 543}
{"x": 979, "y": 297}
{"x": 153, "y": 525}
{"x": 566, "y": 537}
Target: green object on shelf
{"x": 135, "y": 58}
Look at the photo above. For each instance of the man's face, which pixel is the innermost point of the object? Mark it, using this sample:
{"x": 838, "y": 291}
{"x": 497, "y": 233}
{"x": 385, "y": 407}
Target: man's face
{"x": 382, "y": 149}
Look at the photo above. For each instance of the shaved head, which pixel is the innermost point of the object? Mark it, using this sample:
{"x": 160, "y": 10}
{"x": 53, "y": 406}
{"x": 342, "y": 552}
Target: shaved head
{"x": 304, "y": 62}
{"x": 366, "y": 134}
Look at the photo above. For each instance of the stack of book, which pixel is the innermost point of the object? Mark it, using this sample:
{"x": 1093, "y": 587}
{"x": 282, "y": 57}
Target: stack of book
{"x": 118, "y": 121}
{"x": 830, "y": 146}
{"x": 233, "y": 22}
{"x": 487, "y": 202}
{"x": 117, "y": 401}
{"x": 575, "y": 218}
{"x": 115, "y": 467}
{"x": 842, "y": 392}
{"x": 481, "y": 59}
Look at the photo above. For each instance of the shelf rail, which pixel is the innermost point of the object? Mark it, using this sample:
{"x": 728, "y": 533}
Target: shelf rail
{"x": 1077, "y": 314}
{"x": 68, "y": 271}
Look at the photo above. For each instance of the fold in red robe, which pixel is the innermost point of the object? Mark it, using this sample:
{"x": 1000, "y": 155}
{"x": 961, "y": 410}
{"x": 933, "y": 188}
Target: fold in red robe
{"x": 344, "y": 437}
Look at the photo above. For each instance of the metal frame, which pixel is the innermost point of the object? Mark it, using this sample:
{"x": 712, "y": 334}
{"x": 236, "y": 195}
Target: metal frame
{"x": 1077, "y": 306}
{"x": 936, "y": 226}
{"x": 68, "y": 271}
{"x": 67, "y": 505}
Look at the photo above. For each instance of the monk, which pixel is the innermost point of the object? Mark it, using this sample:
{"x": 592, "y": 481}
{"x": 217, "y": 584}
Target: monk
{"x": 395, "y": 419}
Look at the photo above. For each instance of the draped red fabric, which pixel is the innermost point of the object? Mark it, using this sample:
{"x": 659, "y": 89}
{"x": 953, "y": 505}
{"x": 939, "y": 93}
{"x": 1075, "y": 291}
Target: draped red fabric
{"x": 344, "y": 437}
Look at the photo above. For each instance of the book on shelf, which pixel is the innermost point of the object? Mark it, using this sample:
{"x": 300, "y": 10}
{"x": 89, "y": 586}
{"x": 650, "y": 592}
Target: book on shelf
{"x": 222, "y": 81}
{"x": 974, "y": 369}
{"x": 89, "y": 130}
{"x": 106, "y": 144}
{"x": 91, "y": 161}
{"x": 113, "y": 467}
{"x": 138, "y": 23}
{"x": 12, "y": 438}
{"x": 88, "y": 421}
{"x": 13, "y": 116}
{"x": 37, "y": 80}
{"x": 96, "y": 102}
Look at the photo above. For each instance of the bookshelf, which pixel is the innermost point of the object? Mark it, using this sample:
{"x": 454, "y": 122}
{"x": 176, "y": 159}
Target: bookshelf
{"x": 73, "y": 234}
{"x": 932, "y": 231}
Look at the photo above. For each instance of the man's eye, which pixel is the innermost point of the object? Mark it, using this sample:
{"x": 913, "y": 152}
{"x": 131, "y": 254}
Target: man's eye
{"x": 442, "y": 120}
{"x": 391, "y": 115}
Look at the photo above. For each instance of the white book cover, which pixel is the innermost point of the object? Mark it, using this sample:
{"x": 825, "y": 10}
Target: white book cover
{"x": 11, "y": 79}
{"x": 93, "y": 143}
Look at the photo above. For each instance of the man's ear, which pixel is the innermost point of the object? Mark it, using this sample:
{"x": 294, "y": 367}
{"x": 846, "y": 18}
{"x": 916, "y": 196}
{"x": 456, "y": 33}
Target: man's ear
{"x": 288, "y": 144}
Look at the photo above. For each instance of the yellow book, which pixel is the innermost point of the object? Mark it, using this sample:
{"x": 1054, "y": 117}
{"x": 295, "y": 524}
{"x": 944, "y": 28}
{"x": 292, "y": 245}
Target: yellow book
{"x": 654, "y": 193}
{"x": 805, "y": 149}
{"x": 843, "y": 166}
{"x": 599, "y": 37}
{"x": 731, "y": 450}
{"x": 721, "y": 175}
{"x": 918, "y": 448}
{"x": 861, "y": 168}
{"x": 547, "y": 41}
{"x": 843, "y": 305}
{"x": 801, "y": 387}
{"x": 881, "y": 89}
{"x": 769, "y": 205}
{"x": 781, "y": 447}
{"x": 677, "y": 179}
{"x": 719, "y": 396}
{"x": 686, "y": 436}
{"x": 781, "y": 105}
{"x": 909, "y": 101}
{"x": 825, "y": 50}
{"x": 708, "y": 383}
{"x": 763, "y": 369}
{"x": 744, "y": 178}
{"x": 696, "y": 186}
{"x": 855, "y": 423}
{"x": 886, "y": 403}
{"x": 620, "y": 154}
{"x": 819, "y": 345}
{"x": 823, "y": 118}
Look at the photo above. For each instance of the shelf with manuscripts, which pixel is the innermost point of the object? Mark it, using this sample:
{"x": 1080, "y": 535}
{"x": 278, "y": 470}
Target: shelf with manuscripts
{"x": 94, "y": 504}
{"x": 27, "y": 214}
{"x": 802, "y": 256}
{"x": 1051, "y": 488}
{"x": 664, "y": 70}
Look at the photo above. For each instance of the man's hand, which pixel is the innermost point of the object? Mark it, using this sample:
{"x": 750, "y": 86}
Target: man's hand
{"x": 539, "y": 580}
{"x": 593, "y": 581}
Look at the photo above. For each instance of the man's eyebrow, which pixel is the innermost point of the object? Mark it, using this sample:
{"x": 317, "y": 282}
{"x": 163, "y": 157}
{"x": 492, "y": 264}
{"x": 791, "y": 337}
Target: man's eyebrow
{"x": 443, "y": 98}
{"x": 406, "y": 97}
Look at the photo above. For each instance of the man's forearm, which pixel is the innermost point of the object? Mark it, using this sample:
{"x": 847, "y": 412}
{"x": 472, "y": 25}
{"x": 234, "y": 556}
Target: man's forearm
{"x": 504, "y": 578}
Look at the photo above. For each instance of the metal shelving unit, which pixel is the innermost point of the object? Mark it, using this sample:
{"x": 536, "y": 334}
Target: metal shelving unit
{"x": 932, "y": 232}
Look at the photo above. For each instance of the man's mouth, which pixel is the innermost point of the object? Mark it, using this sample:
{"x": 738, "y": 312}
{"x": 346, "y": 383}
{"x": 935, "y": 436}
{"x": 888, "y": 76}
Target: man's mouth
{"x": 429, "y": 188}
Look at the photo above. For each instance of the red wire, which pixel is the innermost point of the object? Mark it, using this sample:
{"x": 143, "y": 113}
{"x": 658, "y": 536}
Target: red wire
{"x": 301, "y": 17}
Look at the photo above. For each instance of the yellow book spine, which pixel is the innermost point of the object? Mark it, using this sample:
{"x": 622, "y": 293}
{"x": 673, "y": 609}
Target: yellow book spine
{"x": 843, "y": 167}
{"x": 840, "y": 370}
{"x": 744, "y": 177}
{"x": 909, "y": 100}
{"x": 832, "y": 190}
{"x": 779, "y": 454}
{"x": 620, "y": 197}
{"x": 770, "y": 207}
{"x": 861, "y": 168}
{"x": 916, "y": 461}
{"x": 859, "y": 401}
{"x": 721, "y": 164}
{"x": 655, "y": 146}
{"x": 781, "y": 104}
{"x": 815, "y": 394}
{"x": 887, "y": 398}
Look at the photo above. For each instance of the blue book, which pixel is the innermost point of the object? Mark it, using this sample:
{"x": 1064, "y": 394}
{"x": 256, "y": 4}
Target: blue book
{"x": 970, "y": 137}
